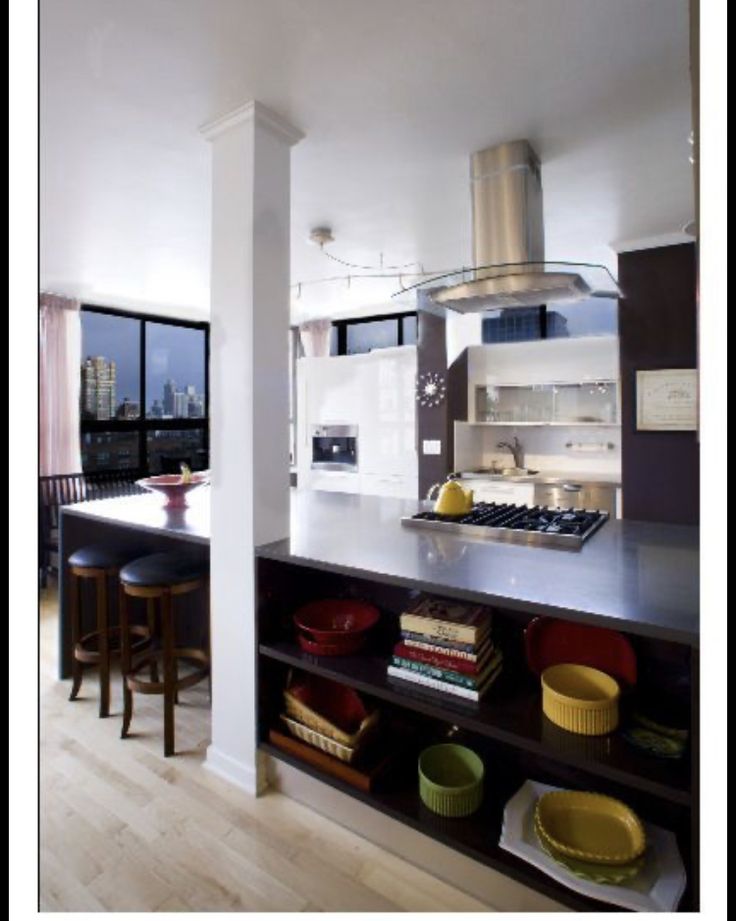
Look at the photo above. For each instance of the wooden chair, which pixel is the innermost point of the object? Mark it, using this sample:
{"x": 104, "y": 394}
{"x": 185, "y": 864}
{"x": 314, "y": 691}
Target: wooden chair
{"x": 66, "y": 488}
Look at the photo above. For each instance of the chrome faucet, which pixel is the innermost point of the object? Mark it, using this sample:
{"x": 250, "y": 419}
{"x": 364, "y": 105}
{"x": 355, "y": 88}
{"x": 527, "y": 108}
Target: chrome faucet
{"x": 517, "y": 450}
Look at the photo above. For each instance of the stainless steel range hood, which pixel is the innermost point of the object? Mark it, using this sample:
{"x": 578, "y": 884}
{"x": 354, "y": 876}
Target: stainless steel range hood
{"x": 509, "y": 267}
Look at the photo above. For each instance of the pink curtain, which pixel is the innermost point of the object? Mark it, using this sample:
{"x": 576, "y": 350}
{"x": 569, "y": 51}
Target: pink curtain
{"x": 315, "y": 338}
{"x": 60, "y": 348}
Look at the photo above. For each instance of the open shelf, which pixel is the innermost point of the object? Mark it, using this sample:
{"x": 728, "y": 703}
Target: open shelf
{"x": 475, "y": 836}
{"x": 511, "y": 714}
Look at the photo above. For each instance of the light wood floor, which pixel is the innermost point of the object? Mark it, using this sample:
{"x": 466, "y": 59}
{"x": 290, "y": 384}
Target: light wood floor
{"x": 123, "y": 829}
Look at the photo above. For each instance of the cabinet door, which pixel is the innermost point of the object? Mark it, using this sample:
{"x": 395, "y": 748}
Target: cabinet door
{"x": 388, "y": 417}
{"x": 335, "y": 481}
{"x": 398, "y": 486}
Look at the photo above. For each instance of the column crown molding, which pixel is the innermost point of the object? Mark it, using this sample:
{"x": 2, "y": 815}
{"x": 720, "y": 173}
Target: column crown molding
{"x": 258, "y": 113}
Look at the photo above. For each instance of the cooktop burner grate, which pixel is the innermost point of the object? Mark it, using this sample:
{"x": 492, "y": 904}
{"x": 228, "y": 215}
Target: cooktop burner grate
{"x": 540, "y": 525}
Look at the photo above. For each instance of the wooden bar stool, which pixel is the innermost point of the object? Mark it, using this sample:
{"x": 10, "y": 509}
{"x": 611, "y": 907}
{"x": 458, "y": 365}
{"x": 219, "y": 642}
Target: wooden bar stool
{"x": 161, "y": 577}
{"x": 99, "y": 646}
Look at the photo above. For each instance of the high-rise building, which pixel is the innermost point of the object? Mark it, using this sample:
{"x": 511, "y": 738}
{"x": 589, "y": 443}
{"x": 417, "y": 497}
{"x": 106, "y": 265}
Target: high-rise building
{"x": 195, "y": 406}
{"x": 98, "y": 396}
{"x": 156, "y": 410}
{"x": 180, "y": 405}
{"x": 169, "y": 396}
{"x": 128, "y": 409}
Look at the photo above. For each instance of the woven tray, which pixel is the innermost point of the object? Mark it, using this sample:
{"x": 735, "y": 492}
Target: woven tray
{"x": 346, "y": 753}
{"x": 302, "y": 713}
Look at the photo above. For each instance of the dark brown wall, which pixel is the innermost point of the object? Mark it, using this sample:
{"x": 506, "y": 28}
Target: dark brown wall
{"x": 657, "y": 329}
{"x": 431, "y": 421}
{"x": 457, "y": 401}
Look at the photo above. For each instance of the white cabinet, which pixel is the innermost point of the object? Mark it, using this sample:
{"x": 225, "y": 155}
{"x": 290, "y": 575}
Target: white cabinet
{"x": 334, "y": 481}
{"x": 544, "y": 361}
{"x": 376, "y": 393}
{"x": 388, "y": 412}
{"x": 495, "y": 491}
{"x": 378, "y": 484}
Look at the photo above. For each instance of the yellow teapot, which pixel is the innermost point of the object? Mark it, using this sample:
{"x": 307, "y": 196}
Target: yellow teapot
{"x": 453, "y": 499}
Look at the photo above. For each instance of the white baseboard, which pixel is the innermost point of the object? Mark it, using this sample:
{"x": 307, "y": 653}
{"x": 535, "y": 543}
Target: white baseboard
{"x": 246, "y": 777}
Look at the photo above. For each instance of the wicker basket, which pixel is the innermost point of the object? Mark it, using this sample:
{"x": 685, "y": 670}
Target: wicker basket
{"x": 344, "y": 753}
{"x": 299, "y": 711}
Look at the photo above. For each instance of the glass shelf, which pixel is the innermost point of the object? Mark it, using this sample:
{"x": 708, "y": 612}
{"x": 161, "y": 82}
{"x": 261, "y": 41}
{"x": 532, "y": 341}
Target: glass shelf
{"x": 589, "y": 403}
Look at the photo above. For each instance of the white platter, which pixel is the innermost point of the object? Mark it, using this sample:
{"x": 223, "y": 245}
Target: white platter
{"x": 658, "y": 887}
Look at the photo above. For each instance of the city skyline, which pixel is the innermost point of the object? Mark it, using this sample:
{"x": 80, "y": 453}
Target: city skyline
{"x": 99, "y": 399}
{"x": 171, "y": 353}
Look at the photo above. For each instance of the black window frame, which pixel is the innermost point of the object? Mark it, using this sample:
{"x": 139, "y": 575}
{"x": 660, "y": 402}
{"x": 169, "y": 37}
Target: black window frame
{"x": 342, "y": 327}
{"x": 144, "y": 423}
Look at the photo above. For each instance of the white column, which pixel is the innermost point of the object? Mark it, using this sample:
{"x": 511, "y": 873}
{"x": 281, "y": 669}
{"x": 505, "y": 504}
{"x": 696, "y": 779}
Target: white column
{"x": 249, "y": 445}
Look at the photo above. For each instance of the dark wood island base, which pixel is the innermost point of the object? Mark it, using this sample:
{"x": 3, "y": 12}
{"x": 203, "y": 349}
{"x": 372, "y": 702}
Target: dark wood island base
{"x": 507, "y": 728}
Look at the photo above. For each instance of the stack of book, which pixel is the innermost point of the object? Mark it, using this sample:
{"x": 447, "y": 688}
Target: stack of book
{"x": 447, "y": 646}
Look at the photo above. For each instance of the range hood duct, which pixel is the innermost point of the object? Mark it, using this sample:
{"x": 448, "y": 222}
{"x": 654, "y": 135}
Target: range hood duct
{"x": 508, "y": 238}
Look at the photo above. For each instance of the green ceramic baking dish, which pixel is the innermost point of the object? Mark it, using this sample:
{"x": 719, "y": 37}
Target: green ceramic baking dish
{"x": 450, "y": 780}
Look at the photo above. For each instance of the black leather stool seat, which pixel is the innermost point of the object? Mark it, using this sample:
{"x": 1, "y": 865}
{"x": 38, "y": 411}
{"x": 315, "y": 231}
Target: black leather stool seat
{"x": 172, "y": 568}
{"x": 97, "y": 556}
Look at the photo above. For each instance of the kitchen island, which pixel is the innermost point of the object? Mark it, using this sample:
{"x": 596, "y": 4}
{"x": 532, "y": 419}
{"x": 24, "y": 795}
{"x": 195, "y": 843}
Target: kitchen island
{"x": 635, "y": 577}
{"x": 138, "y": 524}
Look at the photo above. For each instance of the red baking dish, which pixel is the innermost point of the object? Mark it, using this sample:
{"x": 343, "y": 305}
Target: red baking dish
{"x": 551, "y": 642}
{"x": 342, "y": 647}
{"x": 334, "y": 619}
{"x": 338, "y": 704}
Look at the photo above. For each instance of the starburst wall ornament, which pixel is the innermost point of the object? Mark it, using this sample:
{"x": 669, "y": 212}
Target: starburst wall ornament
{"x": 430, "y": 388}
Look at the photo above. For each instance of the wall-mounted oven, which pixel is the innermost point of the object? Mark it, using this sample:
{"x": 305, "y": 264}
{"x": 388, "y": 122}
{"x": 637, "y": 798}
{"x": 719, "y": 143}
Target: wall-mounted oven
{"x": 335, "y": 447}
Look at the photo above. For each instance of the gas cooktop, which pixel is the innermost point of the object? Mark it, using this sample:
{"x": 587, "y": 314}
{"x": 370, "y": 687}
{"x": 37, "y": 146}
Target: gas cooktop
{"x": 522, "y": 524}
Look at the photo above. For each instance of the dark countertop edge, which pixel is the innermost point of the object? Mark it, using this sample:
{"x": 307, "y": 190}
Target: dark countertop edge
{"x": 134, "y": 525}
{"x": 274, "y": 552}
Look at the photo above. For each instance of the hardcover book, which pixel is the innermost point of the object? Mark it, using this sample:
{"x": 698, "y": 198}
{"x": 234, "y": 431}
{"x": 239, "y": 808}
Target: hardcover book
{"x": 473, "y": 682}
{"x": 468, "y": 650}
{"x": 443, "y": 658}
{"x": 447, "y": 620}
{"x": 444, "y": 686}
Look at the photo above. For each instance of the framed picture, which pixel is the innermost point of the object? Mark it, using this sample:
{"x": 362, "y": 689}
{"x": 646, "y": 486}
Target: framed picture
{"x": 667, "y": 401}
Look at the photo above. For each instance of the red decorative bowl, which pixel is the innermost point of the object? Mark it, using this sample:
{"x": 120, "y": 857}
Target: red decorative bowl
{"x": 334, "y": 620}
{"x": 344, "y": 647}
{"x": 336, "y": 702}
{"x": 552, "y": 642}
{"x": 171, "y": 486}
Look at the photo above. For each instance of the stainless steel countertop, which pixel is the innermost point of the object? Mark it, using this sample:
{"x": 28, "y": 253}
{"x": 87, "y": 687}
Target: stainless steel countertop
{"x": 146, "y": 513}
{"x": 636, "y": 576}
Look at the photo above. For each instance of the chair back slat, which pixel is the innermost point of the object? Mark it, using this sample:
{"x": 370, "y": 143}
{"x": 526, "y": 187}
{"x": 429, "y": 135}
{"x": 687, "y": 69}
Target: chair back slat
{"x": 59, "y": 490}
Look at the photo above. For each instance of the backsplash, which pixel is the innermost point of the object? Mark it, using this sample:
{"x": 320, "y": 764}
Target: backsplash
{"x": 568, "y": 449}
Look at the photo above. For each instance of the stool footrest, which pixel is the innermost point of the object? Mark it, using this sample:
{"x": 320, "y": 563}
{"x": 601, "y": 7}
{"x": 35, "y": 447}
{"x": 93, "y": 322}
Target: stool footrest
{"x": 92, "y": 656}
{"x": 186, "y": 654}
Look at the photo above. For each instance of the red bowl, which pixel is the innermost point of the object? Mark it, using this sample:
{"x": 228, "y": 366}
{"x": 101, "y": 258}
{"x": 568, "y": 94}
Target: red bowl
{"x": 339, "y": 704}
{"x": 171, "y": 486}
{"x": 550, "y": 641}
{"x": 343, "y": 647}
{"x": 330, "y": 620}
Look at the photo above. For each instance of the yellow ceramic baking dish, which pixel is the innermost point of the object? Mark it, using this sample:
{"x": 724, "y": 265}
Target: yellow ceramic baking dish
{"x": 590, "y": 827}
{"x": 580, "y": 699}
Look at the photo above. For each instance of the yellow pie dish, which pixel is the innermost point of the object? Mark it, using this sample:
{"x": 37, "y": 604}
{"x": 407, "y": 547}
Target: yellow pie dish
{"x": 580, "y": 699}
{"x": 590, "y": 827}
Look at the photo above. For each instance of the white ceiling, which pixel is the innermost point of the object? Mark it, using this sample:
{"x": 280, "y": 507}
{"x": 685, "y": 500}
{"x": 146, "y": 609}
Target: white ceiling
{"x": 393, "y": 95}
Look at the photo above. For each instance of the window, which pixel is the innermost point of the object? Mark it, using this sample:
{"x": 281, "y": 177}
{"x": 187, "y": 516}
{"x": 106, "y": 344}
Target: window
{"x": 592, "y": 317}
{"x": 364, "y": 334}
{"x": 144, "y": 392}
